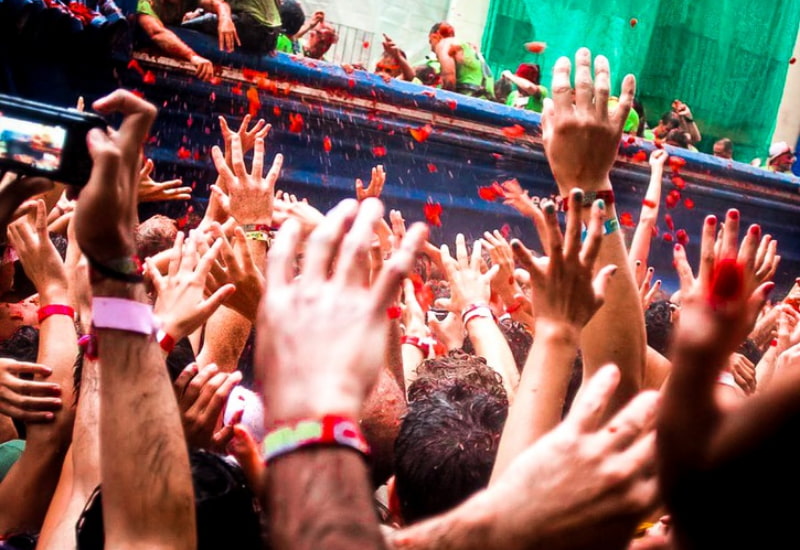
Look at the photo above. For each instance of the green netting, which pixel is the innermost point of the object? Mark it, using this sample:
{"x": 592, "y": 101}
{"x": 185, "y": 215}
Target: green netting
{"x": 727, "y": 59}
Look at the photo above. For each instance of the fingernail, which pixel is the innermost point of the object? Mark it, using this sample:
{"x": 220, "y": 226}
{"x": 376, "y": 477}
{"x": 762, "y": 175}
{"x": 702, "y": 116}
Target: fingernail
{"x": 614, "y": 271}
{"x": 768, "y": 289}
{"x": 601, "y": 204}
{"x": 550, "y": 208}
{"x": 711, "y": 220}
{"x": 677, "y": 247}
{"x": 638, "y": 263}
{"x": 733, "y": 214}
{"x": 650, "y": 269}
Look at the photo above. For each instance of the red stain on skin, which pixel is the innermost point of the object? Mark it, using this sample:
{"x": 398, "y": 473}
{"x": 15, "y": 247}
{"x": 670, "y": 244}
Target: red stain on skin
{"x": 727, "y": 282}
{"x": 394, "y": 312}
{"x": 648, "y": 203}
{"x": 682, "y": 237}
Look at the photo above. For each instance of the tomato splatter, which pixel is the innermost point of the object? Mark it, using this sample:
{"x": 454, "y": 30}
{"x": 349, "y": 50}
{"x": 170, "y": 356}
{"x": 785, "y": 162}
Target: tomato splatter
{"x": 149, "y": 78}
{"x": 682, "y": 237}
{"x": 631, "y": 140}
{"x": 535, "y": 47}
{"x": 421, "y": 134}
{"x": 514, "y": 132}
{"x": 688, "y": 203}
{"x": 237, "y": 90}
{"x": 433, "y": 211}
{"x": 669, "y": 222}
{"x": 379, "y": 151}
{"x": 276, "y": 111}
{"x": 633, "y": 22}
{"x": 184, "y": 153}
{"x": 505, "y": 230}
{"x": 626, "y": 220}
{"x": 432, "y": 168}
{"x": 327, "y": 144}
{"x": 673, "y": 198}
{"x": 452, "y": 103}
{"x": 365, "y": 44}
{"x": 253, "y": 102}
{"x": 679, "y": 182}
{"x": 667, "y": 237}
{"x": 792, "y": 61}
{"x": 296, "y": 123}
{"x": 134, "y": 64}
{"x": 676, "y": 163}
{"x": 727, "y": 282}
{"x": 639, "y": 156}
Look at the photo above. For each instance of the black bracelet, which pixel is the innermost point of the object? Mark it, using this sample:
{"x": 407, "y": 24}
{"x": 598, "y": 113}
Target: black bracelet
{"x": 687, "y": 119}
{"x": 133, "y": 273}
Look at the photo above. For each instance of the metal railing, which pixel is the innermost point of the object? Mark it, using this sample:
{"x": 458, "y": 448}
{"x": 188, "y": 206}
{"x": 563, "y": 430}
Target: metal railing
{"x": 354, "y": 45}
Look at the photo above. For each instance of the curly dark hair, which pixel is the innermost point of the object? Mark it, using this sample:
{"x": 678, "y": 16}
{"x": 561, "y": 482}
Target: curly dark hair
{"x": 471, "y": 371}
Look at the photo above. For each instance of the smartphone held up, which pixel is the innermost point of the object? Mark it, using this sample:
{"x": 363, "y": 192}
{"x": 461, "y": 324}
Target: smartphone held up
{"x": 37, "y": 139}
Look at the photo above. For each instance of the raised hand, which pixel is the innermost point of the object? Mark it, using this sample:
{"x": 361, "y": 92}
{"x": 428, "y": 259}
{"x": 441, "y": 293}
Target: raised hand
{"x": 180, "y": 304}
{"x": 24, "y": 398}
{"x": 247, "y": 136}
{"x": 154, "y": 191}
{"x": 321, "y": 336}
{"x": 376, "y": 184}
{"x": 13, "y": 192}
{"x": 251, "y": 194}
{"x": 468, "y": 286}
{"x": 581, "y": 137}
{"x": 202, "y": 395}
{"x": 565, "y": 289}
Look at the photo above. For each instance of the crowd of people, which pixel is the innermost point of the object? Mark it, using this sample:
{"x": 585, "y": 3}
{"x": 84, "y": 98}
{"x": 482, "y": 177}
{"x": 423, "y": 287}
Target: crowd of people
{"x": 279, "y": 377}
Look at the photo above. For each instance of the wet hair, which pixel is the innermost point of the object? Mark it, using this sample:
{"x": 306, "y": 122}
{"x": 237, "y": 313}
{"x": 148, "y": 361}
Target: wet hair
{"x": 226, "y": 510}
{"x": 444, "y": 29}
{"x": 658, "y": 324}
{"x": 518, "y": 338}
{"x": 155, "y": 235}
{"x": 727, "y": 145}
{"x": 23, "y": 345}
{"x": 471, "y": 370}
{"x": 502, "y": 89}
{"x": 678, "y": 138}
{"x": 447, "y": 446}
{"x": 670, "y": 120}
{"x": 292, "y": 16}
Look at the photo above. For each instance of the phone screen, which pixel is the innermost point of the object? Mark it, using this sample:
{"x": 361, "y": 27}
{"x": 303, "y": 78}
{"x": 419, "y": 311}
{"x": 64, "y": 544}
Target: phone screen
{"x": 33, "y": 143}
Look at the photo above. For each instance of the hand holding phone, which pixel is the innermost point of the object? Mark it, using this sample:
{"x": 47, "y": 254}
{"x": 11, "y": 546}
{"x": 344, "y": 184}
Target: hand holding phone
{"x": 37, "y": 139}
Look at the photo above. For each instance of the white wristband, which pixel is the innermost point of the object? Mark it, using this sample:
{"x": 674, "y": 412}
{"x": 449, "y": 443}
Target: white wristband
{"x": 122, "y": 314}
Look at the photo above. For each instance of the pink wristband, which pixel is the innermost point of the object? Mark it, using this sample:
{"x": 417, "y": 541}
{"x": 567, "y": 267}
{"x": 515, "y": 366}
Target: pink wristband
{"x": 122, "y": 314}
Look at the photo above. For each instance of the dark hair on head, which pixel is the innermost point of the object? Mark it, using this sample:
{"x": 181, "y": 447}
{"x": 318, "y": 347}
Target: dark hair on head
{"x": 502, "y": 89}
{"x": 292, "y": 16}
{"x": 678, "y": 138}
{"x": 23, "y": 345}
{"x": 470, "y": 370}
{"x": 446, "y": 447}
{"x": 443, "y": 28}
{"x": 226, "y": 510}
{"x": 726, "y": 143}
{"x": 426, "y": 74}
{"x": 518, "y": 338}
{"x": 671, "y": 120}
{"x": 658, "y": 324}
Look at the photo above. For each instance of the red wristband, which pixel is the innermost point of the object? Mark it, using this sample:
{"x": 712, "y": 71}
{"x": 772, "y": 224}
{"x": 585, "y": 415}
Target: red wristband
{"x": 55, "y": 309}
{"x": 418, "y": 343}
{"x": 166, "y": 341}
{"x": 329, "y": 430}
{"x": 519, "y": 301}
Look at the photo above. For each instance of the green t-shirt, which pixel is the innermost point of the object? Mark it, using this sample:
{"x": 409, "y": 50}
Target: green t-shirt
{"x": 284, "y": 44}
{"x": 10, "y": 452}
{"x": 264, "y": 11}
{"x": 530, "y": 103}
{"x": 469, "y": 71}
{"x": 170, "y": 13}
